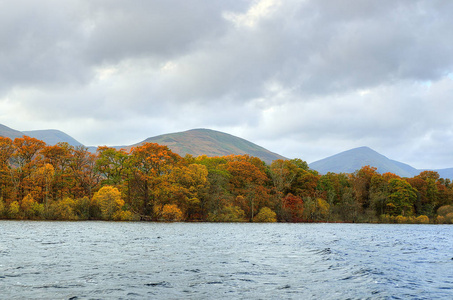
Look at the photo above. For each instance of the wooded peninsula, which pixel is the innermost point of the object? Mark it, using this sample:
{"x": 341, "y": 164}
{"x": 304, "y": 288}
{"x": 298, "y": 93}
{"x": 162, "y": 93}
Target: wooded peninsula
{"x": 150, "y": 182}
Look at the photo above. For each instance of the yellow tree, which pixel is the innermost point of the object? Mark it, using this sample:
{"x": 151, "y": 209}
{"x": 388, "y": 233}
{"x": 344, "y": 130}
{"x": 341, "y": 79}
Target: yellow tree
{"x": 43, "y": 177}
{"x": 189, "y": 187}
{"x": 109, "y": 200}
{"x": 266, "y": 215}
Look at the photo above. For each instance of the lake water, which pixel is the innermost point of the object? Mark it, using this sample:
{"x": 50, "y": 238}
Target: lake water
{"x": 108, "y": 260}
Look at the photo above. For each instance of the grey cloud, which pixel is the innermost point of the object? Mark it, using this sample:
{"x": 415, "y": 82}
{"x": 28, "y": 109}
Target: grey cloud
{"x": 305, "y": 77}
{"x": 39, "y": 44}
{"x": 161, "y": 29}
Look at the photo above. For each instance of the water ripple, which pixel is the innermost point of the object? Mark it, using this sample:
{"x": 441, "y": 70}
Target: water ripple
{"x": 99, "y": 260}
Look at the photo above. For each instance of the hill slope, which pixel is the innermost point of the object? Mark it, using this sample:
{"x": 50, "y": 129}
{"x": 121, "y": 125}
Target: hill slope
{"x": 52, "y": 137}
{"x": 211, "y": 143}
{"x": 5, "y": 131}
{"x": 352, "y": 160}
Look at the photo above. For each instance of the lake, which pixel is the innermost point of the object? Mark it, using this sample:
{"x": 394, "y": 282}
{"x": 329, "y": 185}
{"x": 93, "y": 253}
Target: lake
{"x": 114, "y": 260}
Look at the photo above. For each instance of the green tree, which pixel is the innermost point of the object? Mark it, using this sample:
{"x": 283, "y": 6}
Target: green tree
{"x": 401, "y": 199}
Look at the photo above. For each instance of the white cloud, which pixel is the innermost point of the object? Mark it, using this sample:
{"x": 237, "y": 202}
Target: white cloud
{"x": 250, "y": 19}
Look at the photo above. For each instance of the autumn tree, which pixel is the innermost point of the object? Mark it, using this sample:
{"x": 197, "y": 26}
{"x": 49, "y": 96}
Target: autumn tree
{"x": 24, "y": 160}
{"x": 265, "y": 215}
{"x": 247, "y": 183}
{"x": 228, "y": 213}
{"x": 292, "y": 209}
{"x": 112, "y": 164}
{"x": 361, "y": 183}
{"x": 109, "y": 200}
{"x": 85, "y": 177}
{"x": 169, "y": 213}
{"x": 6, "y": 151}
{"x": 218, "y": 193}
{"x": 332, "y": 187}
{"x": 59, "y": 156}
{"x": 151, "y": 165}
{"x": 401, "y": 199}
{"x": 189, "y": 184}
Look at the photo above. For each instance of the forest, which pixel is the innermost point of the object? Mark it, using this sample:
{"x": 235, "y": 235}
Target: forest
{"x": 151, "y": 183}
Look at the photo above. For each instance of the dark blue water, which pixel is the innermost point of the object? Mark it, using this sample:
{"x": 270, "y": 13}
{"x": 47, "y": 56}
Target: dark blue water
{"x": 102, "y": 260}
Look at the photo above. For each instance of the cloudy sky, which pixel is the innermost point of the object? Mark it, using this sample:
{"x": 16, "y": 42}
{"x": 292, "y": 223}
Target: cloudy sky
{"x": 303, "y": 78}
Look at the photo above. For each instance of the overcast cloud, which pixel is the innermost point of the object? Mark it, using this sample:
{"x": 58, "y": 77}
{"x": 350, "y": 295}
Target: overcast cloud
{"x": 305, "y": 79}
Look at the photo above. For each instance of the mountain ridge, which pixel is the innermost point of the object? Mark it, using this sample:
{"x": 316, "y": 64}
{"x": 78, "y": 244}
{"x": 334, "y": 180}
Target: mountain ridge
{"x": 353, "y": 159}
{"x": 196, "y": 142}
{"x": 202, "y": 141}
{"x": 52, "y": 137}
{"x": 216, "y": 143}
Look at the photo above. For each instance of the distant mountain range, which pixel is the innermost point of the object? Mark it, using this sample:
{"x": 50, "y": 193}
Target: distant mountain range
{"x": 49, "y": 136}
{"x": 195, "y": 142}
{"x": 52, "y": 137}
{"x": 352, "y": 160}
{"x": 214, "y": 143}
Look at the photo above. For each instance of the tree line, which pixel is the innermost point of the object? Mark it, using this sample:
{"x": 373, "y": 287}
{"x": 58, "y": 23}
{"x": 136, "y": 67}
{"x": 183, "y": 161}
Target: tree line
{"x": 150, "y": 182}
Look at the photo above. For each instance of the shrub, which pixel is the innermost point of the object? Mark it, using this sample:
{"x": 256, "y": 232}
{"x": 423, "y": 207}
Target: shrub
{"x": 171, "y": 212}
{"x": 125, "y": 215}
{"x": 228, "y": 213}
{"x": 266, "y": 215}
{"x": 401, "y": 219}
{"x": 62, "y": 210}
{"x": 31, "y": 208}
{"x": 82, "y": 208}
{"x": 2, "y": 208}
{"x": 14, "y": 210}
{"x": 422, "y": 219}
{"x": 445, "y": 214}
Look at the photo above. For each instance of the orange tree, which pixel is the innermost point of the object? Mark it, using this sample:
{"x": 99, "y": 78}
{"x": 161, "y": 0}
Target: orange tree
{"x": 248, "y": 184}
{"x": 150, "y": 166}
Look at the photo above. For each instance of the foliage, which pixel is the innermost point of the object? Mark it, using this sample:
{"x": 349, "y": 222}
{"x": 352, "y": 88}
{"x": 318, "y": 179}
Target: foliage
{"x": 14, "y": 210}
{"x": 150, "y": 182}
{"x": 401, "y": 198}
{"x": 171, "y": 213}
{"x": 63, "y": 210}
{"x": 228, "y": 213}
{"x": 266, "y": 215}
{"x": 30, "y": 208}
{"x": 445, "y": 214}
{"x": 422, "y": 219}
{"x": 2, "y": 208}
{"x": 109, "y": 200}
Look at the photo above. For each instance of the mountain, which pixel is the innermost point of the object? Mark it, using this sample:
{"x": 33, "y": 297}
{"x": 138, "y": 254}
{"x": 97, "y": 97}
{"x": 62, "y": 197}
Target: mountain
{"x": 215, "y": 143}
{"x": 211, "y": 143}
{"x": 52, "y": 137}
{"x": 9, "y": 132}
{"x": 352, "y": 160}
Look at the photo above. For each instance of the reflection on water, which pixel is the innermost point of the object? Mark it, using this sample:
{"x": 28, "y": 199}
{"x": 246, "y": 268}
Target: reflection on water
{"x": 102, "y": 260}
